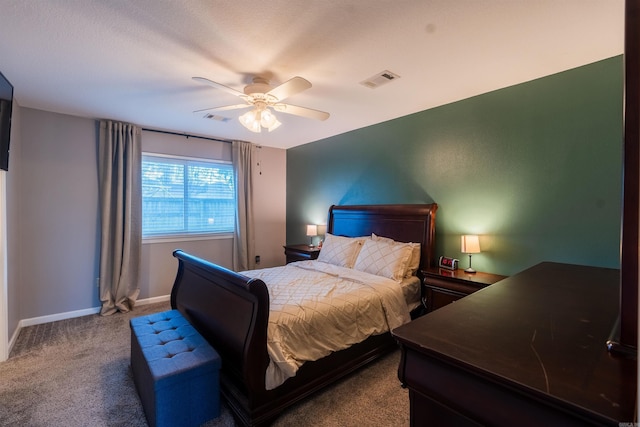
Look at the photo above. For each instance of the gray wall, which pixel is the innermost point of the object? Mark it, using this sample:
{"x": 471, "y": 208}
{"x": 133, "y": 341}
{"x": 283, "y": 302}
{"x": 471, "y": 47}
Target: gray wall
{"x": 57, "y": 220}
{"x": 58, "y": 214}
{"x": 534, "y": 169}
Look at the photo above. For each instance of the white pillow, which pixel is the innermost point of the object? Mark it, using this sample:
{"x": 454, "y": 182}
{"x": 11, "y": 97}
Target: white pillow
{"x": 414, "y": 260}
{"x": 382, "y": 258}
{"x": 339, "y": 250}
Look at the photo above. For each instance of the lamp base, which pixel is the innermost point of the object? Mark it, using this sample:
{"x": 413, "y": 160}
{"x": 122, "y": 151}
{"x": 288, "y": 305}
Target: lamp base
{"x": 469, "y": 270}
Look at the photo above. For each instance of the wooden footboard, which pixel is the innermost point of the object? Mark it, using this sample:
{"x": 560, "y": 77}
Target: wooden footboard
{"x": 231, "y": 311}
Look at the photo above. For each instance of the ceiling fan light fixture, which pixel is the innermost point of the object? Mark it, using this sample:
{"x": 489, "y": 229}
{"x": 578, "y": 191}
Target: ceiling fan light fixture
{"x": 258, "y": 118}
{"x": 267, "y": 118}
{"x": 263, "y": 97}
{"x": 251, "y": 120}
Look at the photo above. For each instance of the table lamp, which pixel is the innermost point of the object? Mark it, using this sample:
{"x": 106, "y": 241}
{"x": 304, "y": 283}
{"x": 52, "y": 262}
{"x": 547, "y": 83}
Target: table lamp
{"x": 470, "y": 245}
{"x": 312, "y": 230}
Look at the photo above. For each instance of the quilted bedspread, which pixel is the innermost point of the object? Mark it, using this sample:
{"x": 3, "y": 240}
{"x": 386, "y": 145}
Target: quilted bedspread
{"x": 317, "y": 308}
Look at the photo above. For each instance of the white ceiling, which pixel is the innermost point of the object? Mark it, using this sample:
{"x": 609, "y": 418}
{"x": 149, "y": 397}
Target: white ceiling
{"x": 133, "y": 60}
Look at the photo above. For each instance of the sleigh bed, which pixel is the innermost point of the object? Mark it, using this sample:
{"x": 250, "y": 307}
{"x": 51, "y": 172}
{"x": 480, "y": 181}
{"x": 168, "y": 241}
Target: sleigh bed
{"x": 231, "y": 310}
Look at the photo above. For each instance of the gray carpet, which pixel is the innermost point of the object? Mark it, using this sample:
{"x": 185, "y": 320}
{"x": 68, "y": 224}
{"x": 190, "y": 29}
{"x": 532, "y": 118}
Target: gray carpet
{"x": 76, "y": 372}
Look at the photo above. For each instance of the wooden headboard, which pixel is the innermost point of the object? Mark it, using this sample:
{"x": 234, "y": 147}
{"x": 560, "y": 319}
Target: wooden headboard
{"x": 404, "y": 223}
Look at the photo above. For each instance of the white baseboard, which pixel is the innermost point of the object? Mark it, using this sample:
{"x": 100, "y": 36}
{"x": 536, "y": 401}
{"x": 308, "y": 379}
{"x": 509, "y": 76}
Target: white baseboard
{"x": 59, "y": 316}
{"x": 153, "y": 300}
{"x": 85, "y": 312}
{"x": 13, "y": 339}
{"x": 70, "y": 315}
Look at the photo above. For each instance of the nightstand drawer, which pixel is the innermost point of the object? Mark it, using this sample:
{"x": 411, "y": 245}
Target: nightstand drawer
{"x": 300, "y": 252}
{"x": 453, "y": 285}
{"x": 442, "y": 287}
{"x": 436, "y": 298}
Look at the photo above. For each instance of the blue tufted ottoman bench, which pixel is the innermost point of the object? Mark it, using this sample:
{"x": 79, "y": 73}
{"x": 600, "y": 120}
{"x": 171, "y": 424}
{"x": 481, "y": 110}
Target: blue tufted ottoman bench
{"x": 175, "y": 371}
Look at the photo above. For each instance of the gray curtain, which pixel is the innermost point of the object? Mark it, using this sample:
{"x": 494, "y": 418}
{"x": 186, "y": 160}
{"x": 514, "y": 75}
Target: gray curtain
{"x": 243, "y": 238}
{"x": 119, "y": 168}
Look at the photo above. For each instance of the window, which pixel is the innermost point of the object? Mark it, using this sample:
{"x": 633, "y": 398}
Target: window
{"x": 183, "y": 196}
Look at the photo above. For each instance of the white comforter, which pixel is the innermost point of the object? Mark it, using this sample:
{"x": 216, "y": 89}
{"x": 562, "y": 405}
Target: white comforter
{"x": 317, "y": 308}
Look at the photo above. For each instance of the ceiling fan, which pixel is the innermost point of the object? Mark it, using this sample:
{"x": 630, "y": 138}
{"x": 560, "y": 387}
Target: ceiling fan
{"x": 262, "y": 97}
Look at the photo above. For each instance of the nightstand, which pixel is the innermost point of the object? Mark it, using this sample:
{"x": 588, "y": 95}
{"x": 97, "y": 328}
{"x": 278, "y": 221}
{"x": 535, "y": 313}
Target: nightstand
{"x": 442, "y": 286}
{"x": 300, "y": 252}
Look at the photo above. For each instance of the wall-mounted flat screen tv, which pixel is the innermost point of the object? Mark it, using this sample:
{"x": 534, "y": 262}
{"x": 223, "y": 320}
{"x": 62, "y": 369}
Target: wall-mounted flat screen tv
{"x": 6, "y": 103}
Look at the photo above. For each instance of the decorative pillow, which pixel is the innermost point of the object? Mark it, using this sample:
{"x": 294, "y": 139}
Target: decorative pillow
{"x": 414, "y": 260}
{"x": 382, "y": 258}
{"x": 339, "y": 250}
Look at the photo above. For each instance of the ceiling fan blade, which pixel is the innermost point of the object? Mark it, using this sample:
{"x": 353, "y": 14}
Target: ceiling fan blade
{"x": 289, "y": 88}
{"x": 301, "y": 111}
{"x": 227, "y": 107}
{"x": 219, "y": 86}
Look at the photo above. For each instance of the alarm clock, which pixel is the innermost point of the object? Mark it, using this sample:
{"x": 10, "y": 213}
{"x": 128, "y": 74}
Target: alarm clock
{"x": 448, "y": 263}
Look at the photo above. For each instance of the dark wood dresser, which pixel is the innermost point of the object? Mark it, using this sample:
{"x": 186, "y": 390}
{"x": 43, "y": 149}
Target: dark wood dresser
{"x": 529, "y": 350}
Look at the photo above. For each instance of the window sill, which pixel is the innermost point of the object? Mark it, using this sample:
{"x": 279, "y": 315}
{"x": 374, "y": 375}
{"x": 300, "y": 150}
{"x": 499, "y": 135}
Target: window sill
{"x": 185, "y": 238}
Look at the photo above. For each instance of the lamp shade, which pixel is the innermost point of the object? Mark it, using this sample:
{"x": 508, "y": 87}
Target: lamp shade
{"x": 312, "y": 230}
{"x": 267, "y": 119}
{"x": 470, "y": 244}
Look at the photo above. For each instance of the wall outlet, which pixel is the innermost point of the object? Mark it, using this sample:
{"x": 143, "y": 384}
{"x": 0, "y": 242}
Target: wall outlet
{"x": 257, "y": 259}
{"x": 97, "y": 282}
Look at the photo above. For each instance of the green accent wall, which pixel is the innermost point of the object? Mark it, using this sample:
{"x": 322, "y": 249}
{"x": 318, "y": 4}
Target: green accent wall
{"x": 534, "y": 169}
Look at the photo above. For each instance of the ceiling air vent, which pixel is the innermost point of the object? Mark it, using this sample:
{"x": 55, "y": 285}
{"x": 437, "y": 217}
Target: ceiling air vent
{"x": 379, "y": 79}
{"x": 217, "y": 118}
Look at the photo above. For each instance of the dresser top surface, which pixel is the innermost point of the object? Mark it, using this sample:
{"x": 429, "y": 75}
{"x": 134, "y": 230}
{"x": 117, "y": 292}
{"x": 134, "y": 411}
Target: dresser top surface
{"x": 544, "y": 329}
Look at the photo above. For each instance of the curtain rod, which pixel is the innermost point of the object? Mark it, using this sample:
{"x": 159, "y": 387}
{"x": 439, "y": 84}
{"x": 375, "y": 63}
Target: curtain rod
{"x": 186, "y": 135}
